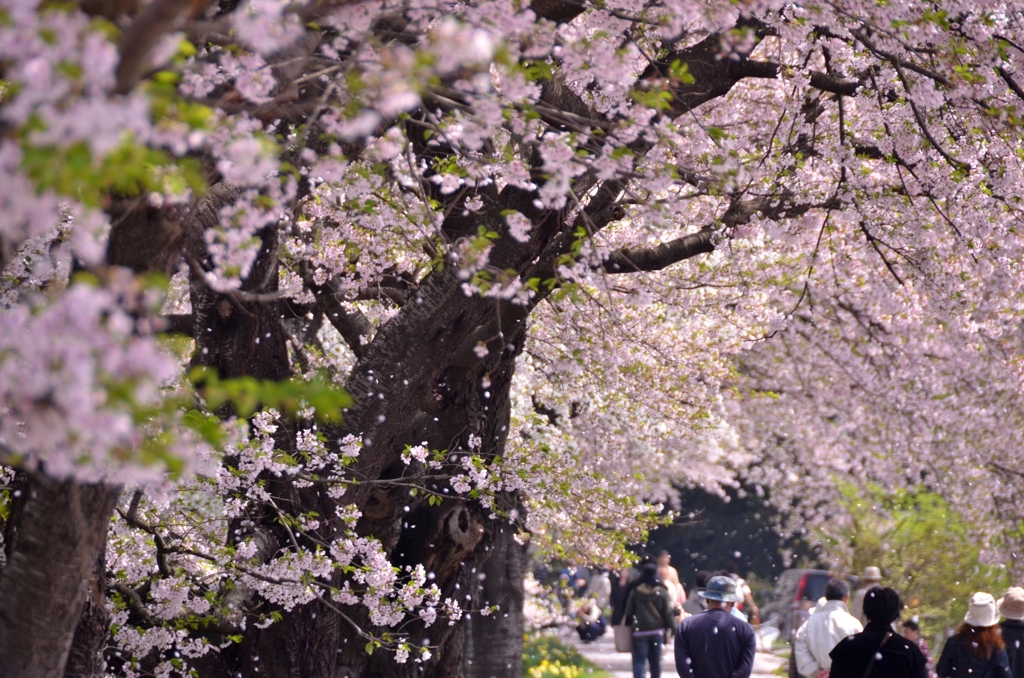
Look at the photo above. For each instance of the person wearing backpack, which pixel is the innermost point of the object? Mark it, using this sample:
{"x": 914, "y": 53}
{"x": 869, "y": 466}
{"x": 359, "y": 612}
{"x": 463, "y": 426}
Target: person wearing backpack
{"x": 649, "y": 610}
{"x": 977, "y": 649}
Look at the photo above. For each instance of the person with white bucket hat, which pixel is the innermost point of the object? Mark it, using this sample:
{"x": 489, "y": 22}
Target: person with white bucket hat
{"x": 1011, "y": 606}
{"x": 977, "y": 649}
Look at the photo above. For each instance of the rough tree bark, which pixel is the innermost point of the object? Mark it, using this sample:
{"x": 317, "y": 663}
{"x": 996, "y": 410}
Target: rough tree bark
{"x": 54, "y": 574}
{"x": 494, "y": 641}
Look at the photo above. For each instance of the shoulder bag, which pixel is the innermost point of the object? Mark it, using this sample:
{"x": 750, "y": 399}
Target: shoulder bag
{"x": 623, "y": 638}
{"x": 874, "y": 655}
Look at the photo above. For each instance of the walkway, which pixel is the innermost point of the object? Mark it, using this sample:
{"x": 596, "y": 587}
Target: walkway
{"x": 602, "y": 653}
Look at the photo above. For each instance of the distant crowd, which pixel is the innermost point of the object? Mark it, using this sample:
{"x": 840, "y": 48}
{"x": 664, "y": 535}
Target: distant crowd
{"x": 846, "y": 634}
{"x": 865, "y": 640}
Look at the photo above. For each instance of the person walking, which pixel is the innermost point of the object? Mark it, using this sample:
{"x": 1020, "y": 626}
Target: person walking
{"x": 649, "y": 610}
{"x": 670, "y": 576}
{"x": 976, "y": 650}
{"x": 877, "y": 651}
{"x": 871, "y": 579}
{"x": 1011, "y": 606}
{"x": 622, "y": 584}
{"x": 830, "y": 623}
{"x": 715, "y": 644}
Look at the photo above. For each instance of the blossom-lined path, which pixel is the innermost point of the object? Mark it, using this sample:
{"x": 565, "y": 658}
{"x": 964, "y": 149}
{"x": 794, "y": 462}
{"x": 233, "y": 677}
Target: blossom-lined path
{"x": 602, "y": 653}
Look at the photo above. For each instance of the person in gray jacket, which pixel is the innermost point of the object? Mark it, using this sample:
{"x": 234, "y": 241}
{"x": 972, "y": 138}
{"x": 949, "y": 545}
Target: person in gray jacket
{"x": 714, "y": 643}
{"x": 649, "y": 610}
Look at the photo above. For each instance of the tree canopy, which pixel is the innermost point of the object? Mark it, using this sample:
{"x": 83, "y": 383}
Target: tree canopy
{"x": 314, "y": 313}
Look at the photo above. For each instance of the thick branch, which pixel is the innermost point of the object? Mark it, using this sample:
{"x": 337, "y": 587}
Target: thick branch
{"x": 661, "y": 256}
{"x": 1010, "y": 82}
{"x": 142, "y": 37}
{"x": 834, "y": 84}
{"x": 353, "y": 326}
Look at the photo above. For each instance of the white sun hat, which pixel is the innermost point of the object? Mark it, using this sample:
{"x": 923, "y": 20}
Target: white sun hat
{"x": 982, "y": 611}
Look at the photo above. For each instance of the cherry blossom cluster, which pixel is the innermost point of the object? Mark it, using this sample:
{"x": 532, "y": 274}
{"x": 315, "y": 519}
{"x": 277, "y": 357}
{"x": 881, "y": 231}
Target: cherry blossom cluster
{"x": 857, "y": 174}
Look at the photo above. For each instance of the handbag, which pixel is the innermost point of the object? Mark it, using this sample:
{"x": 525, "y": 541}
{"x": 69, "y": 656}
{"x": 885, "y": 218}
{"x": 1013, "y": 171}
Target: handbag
{"x": 623, "y": 638}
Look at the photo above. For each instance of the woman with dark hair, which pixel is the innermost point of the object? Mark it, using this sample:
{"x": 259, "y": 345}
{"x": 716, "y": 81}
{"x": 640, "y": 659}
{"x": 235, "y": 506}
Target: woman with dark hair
{"x": 878, "y": 652}
{"x": 649, "y": 611}
{"x": 976, "y": 650}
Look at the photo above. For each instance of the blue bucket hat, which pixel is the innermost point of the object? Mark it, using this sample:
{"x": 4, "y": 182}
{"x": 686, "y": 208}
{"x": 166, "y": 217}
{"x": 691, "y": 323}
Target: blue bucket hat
{"x": 723, "y": 589}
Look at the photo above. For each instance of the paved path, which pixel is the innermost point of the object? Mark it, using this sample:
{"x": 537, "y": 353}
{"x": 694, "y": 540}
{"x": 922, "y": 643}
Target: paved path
{"x": 602, "y": 653}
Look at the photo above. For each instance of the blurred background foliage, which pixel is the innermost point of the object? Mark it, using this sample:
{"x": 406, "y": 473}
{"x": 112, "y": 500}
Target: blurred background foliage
{"x": 927, "y": 552}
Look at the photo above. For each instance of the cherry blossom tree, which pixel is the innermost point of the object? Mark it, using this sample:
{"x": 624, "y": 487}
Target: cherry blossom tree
{"x": 315, "y": 313}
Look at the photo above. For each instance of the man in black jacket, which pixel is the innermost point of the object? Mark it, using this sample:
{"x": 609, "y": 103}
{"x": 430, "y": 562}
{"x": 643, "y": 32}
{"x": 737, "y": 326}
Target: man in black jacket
{"x": 714, "y": 643}
{"x": 1011, "y": 606}
{"x": 878, "y": 651}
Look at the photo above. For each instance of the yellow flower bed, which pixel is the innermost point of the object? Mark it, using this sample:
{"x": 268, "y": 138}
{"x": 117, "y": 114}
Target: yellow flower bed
{"x": 555, "y": 669}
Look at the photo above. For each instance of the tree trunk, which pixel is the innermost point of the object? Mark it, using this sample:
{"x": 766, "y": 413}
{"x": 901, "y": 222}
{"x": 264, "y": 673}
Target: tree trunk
{"x": 54, "y": 572}
{"x": 494, "y": 646}
{"x": 438, "y": 391}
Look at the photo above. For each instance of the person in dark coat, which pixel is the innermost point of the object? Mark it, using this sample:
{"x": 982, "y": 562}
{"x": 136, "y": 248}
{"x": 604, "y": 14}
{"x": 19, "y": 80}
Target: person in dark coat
{"x": 976, "y": 650}
{"x": 714, "y": 643}
{"x": 649, "y": 610}
{"x": 622, "y": 584}
{"x": 878, "y": 651}
{"x": 1011, "y": 606}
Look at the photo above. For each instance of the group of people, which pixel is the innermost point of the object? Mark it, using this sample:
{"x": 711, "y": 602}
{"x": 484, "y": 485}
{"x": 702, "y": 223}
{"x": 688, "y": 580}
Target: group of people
{"x": 712, "y": 636}
{"x": 833, "y": 643}
{"x": 714, "y": 643}
{"x": 863, "y": 642}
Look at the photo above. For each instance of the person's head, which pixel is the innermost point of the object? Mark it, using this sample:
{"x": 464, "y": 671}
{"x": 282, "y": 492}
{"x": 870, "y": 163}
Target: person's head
{"x": 701, "y": 578}
{"x": 979, "y": 630}
{"x": 882, "y": 606}
{"x": 981, "y": 612}
{"x": 1011, "y": 605}
{"x": 721, "y": 593}
{"x": 664, "y": 558}
{"x": 911, "y": 631}
{"x": 837, "y": 589}
{"x": 872, "y": 575}
{"x": 649, "y": 574}
{"x": 732, "y": 569}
